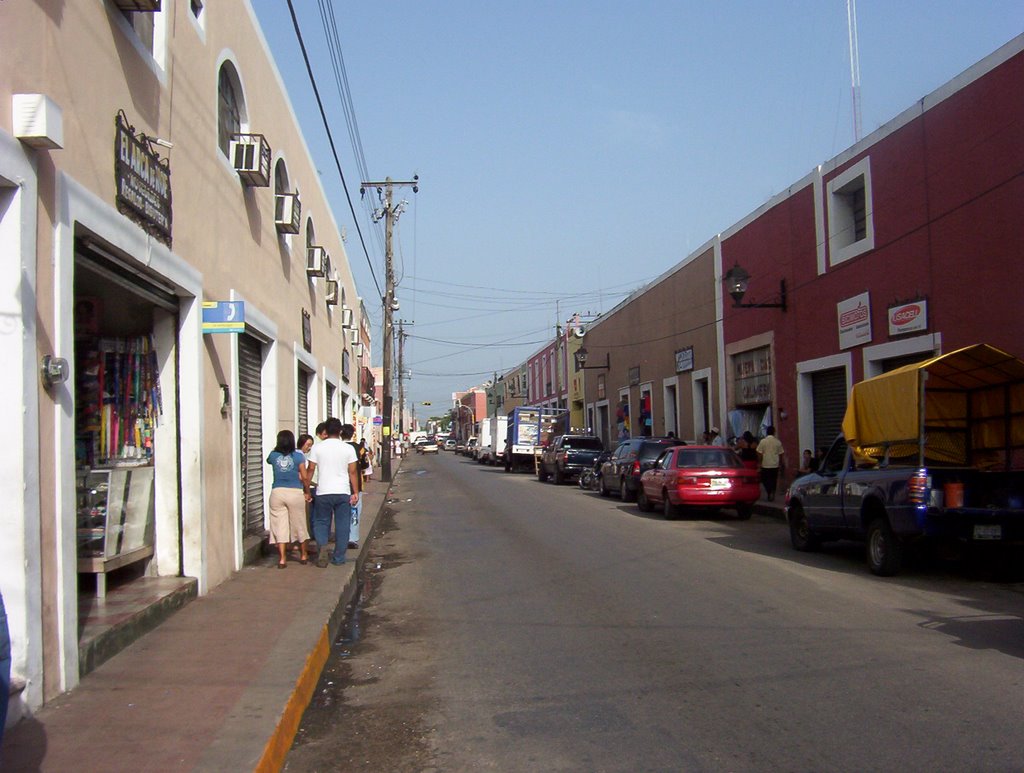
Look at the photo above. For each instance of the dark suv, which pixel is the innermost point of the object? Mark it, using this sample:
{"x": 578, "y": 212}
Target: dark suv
{"x": 630, "y": 460}
{"x": 567, "y": 456}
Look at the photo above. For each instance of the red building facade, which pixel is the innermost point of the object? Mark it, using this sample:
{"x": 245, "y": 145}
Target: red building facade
{"x": 907, "y": 245}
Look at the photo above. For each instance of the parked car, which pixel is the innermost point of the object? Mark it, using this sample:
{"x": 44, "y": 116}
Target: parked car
{"x": 484, "y": 455}
{"x": 450, "y": 444}
{"x": 460, "y": 447}
{"x": 631, "y": 459}
{"x": 566, "y": 456}
{"x": 471, "y": 447}
{"x": 699, "y": 477}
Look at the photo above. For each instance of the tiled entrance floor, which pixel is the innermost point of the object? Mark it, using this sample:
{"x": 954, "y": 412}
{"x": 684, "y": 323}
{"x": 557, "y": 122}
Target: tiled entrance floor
{"x": 107, "y": 626}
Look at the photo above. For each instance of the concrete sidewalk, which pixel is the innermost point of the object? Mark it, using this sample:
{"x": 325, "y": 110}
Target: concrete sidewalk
{"x": 220, "y": 686}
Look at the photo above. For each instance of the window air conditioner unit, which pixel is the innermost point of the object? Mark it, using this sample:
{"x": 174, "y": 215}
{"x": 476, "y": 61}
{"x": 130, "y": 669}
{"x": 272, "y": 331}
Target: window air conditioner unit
{"x": 138, "y": 5}
{"x": 316, "y": 261}
{"x": 346, "y": 317}
{"x": 332, "y": 293}
{"x": 353, "y": 336}
{"x": 287, "y": 213}
{"x": 357, "y": 349}
{"x": 250, "y": 155}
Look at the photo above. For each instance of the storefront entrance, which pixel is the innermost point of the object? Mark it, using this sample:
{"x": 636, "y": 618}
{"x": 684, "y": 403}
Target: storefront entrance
{"x": 118, "y": 405}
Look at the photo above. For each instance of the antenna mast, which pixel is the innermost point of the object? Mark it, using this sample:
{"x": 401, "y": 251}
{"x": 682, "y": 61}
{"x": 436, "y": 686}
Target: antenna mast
{"x": 851, "y": 21}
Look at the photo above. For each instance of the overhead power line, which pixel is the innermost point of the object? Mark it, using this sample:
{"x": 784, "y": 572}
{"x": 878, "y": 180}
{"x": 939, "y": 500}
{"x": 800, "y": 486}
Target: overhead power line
{"x": 330, "y": 139}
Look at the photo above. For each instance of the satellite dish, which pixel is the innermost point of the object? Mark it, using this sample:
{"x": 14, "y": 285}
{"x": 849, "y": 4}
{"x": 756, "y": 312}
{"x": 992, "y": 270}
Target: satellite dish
{"x": 578, "y": 332}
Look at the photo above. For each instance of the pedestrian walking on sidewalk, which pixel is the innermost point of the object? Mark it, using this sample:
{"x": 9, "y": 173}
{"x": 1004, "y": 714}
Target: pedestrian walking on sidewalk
{"x": 287, "y": 501}
{"x": 771, "y": 456}
{"x": 335, "y": 463}
{"x": 362, "y": 462}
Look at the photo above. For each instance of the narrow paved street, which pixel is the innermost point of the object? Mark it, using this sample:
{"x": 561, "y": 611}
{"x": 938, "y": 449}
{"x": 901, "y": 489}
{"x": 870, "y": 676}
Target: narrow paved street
{"x": 514, "y": 625}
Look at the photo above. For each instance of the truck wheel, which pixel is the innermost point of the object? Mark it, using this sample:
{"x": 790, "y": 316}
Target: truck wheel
{"x": 642, "y": 501}
{"x": 624, "y": 493}
{"x": 559, "y": 478}
{"x": 800, "y": 533}
{"x": 744, "y": 511}
{"x": 541, "y": 475}
{"x": 884, "y": 549}
{"x": 603, "y": 489}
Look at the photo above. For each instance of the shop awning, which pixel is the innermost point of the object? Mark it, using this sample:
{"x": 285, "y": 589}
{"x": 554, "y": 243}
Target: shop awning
{"x": 973, "y": 406}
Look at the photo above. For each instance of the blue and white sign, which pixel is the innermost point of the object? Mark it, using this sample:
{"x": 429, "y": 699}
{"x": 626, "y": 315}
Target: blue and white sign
{"x": 223, "y": 317}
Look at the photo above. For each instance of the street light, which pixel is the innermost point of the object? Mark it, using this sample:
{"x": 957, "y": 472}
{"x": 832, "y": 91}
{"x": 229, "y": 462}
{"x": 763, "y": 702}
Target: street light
{"x": 735, "y": 282}
{"x": 581, "y": 355}
{"x": 462, "y": 435}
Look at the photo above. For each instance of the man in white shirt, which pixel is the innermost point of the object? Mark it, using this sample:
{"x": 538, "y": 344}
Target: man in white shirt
{"x": 337, "y": 491}
{"x": 716, "y": 437}
{"x": 772, "y": 459}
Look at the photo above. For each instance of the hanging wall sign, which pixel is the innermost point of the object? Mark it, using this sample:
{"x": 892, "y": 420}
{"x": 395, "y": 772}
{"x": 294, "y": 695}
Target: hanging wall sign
{"x": 142, "y": 180}
{"x": 684, "y": 360}
{"x": 854, "y": 321}
{"x": 908, "y": 318}
{"x": 307, "y": 332}
{"x": 223, "y": 317}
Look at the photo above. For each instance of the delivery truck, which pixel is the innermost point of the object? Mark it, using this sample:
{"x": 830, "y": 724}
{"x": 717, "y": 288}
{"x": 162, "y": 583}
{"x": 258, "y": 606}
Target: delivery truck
{"x": 529, "y": 428}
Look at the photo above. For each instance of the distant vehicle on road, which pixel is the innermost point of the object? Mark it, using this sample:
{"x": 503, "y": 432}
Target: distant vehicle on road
{"x": 699, "y": 477}
{"x": 567, "y": 456}
{"x": 428, "y": 446}
{"x": 630, "y": 460}
{"x": 449, "y": 444}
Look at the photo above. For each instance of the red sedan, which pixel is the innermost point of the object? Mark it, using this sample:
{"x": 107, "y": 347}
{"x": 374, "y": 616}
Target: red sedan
{"x": 699, "y": 476}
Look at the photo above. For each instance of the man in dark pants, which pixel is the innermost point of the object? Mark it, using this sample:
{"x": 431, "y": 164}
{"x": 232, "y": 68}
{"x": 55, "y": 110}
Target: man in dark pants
{"x": 337, "y": 491}
{"x": 770, "y": 455}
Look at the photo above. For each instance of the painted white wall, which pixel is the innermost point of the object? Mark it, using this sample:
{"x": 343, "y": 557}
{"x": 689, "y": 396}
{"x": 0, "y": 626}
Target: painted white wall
{"x": 20, "y": 570}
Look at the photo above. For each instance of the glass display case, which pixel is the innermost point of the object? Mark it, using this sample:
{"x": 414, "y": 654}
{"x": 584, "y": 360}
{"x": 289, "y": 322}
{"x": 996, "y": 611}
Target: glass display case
{"x": 115, "y": 519}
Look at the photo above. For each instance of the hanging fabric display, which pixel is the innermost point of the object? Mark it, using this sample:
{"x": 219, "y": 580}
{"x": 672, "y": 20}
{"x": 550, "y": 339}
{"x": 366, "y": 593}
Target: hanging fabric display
{"x": 119, "y": 401}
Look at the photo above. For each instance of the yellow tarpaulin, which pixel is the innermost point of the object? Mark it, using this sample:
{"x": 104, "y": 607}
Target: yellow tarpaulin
{"x": 974, "y": 406}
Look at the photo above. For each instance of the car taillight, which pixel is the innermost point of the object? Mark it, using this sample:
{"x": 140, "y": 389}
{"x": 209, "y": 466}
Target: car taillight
{"x": 917, "y": 487}
{"x": 565, "y": 457}
{"x": 636, "y": 467}
{"x": 689, "y": 480}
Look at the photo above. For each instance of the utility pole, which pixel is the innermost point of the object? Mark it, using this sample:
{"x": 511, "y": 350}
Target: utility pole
{"x": 402, "y": 335}
{"x": 390, "y": 213}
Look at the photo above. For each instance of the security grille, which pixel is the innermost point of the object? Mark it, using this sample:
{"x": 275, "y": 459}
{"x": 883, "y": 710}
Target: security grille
{"x": 303, "y": 401}
{"x": 250, "y": 405}
{"x": 829, "y": 394}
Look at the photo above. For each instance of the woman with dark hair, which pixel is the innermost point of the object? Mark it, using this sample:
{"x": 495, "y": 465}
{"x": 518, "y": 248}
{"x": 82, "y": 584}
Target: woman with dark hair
{"x": 287, "y": 498}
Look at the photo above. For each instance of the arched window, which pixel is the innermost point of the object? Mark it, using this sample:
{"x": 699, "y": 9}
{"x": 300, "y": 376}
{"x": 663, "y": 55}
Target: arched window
{"x": 229, "y": 107}
{"x": 280, "y": 177}
{"x": 310, "y": 235}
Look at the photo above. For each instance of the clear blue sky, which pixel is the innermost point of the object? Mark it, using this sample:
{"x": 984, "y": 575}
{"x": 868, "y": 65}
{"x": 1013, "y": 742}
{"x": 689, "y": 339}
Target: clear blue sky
{"x": 569, "y": 152}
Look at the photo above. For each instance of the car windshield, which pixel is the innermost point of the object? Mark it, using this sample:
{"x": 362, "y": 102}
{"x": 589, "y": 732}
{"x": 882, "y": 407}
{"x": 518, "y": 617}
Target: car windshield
{"x": 584, "y": 443}
{"x": 651, "y": 451}
{"x": 707, "y": 457}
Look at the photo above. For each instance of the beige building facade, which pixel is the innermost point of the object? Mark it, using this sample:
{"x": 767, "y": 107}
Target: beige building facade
{"x": 176, "y": 291}
{"x": 652, "y": 364}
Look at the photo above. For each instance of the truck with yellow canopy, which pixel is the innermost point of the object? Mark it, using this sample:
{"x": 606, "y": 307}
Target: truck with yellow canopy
{"x": 929, "y": 451}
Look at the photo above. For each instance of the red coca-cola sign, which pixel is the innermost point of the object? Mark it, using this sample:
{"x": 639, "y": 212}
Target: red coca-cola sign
{"x": 908, "y": 317}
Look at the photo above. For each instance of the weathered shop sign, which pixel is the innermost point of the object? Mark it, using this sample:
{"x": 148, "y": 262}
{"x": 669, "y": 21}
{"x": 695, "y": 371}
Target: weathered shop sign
{"x": 142, "y": 180}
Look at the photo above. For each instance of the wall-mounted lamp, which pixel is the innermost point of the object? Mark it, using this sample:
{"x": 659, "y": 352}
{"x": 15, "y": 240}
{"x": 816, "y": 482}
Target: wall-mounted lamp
{"x": 735, "y": 282}
{"x": 53, "y": 370}
{"x": 225, "y": 399}
{"x": 581, "y": 355}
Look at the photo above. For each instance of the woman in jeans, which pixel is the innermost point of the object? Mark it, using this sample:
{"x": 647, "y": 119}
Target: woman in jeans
{"x": 287, "y": 499}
